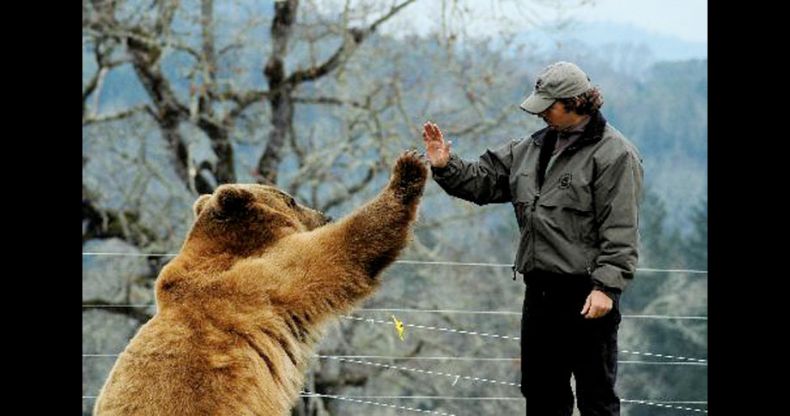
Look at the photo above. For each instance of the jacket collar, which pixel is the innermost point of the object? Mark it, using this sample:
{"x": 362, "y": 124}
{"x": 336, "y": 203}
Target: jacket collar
{"x": 592, "y": 133}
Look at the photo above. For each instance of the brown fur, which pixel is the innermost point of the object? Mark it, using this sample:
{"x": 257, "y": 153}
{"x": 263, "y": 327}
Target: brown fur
{"x": 240, "y": 307}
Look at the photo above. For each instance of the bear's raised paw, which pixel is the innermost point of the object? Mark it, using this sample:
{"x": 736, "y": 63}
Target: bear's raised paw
{"x": 409, "y": 175}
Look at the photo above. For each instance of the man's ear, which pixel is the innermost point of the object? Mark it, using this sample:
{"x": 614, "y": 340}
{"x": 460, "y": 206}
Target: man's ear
{"x": 233, "y": 201}
{"x": 198, "y": 206}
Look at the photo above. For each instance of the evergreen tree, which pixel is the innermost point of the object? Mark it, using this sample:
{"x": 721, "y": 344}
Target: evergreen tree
{"x": 696, "y": 245}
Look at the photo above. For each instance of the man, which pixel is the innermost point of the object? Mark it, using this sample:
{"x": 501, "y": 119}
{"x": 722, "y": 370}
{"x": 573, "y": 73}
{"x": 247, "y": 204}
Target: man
{"x": 575, "y": 187}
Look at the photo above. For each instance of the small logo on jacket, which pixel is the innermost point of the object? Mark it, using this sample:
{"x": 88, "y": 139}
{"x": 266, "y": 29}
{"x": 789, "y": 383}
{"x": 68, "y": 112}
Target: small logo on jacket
{"x": 565, "y": 180}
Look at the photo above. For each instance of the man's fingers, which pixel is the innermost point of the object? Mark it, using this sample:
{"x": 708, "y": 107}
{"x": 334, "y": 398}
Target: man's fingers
{"x": 426, "y": 130}
{"x": 431, "y": 132}
{"x": 593, "y": 312}
{"x": 435, "y": 132}
{"x": 586, "y": 306}
{"x": 596, "y": 311}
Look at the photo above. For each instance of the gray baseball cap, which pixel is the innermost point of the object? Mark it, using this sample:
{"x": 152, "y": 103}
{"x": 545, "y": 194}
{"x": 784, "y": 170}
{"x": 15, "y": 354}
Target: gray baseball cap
{"x": 558, "y": 80}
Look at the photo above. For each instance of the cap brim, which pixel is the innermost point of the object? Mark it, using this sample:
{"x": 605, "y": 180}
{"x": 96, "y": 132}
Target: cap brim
{"x": 537, "y": 103}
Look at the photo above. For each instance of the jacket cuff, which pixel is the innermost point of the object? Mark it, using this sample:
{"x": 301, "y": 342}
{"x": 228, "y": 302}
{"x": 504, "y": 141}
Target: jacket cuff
{"x": 448, "y": 169}
{"x": 607, "y": 280}
{"x": 613, "y": 293}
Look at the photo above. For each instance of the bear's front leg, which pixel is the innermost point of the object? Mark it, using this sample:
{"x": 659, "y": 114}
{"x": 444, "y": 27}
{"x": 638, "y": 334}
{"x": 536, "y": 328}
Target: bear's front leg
{"x": 338, "y": 262}
{"x": 375, "y": 234}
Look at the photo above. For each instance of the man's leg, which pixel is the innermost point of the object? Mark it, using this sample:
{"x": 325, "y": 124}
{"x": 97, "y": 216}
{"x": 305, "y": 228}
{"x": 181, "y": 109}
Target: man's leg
{"x": 545, "y": 364}
{"x": 595, "y": 365}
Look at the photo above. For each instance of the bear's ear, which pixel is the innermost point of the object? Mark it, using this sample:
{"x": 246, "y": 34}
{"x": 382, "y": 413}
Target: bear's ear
{"x": 233, "y": 201}
{"x": 197, "y": 208}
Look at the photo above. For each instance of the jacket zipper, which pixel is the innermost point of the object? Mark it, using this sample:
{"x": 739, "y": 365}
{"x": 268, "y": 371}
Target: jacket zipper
{"x": 532, "y": 225}
{"x": 535, "y": 206}
{"x": 535, "y": 201}
{"x": 531, "y": 231}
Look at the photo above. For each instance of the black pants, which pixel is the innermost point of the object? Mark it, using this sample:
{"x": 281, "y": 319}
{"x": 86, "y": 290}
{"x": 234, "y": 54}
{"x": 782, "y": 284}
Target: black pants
{"x": 557, "y": 341}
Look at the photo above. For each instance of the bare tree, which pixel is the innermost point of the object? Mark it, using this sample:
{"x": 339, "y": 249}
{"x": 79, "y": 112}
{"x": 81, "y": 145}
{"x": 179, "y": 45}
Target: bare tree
{"x": 145, "y": 40}
{"x": 208, "y": 73}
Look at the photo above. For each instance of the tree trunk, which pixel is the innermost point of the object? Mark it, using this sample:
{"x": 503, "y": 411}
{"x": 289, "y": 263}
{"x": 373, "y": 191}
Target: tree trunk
{"x": 280, "y": 89}
{"x": 281, "y": 118}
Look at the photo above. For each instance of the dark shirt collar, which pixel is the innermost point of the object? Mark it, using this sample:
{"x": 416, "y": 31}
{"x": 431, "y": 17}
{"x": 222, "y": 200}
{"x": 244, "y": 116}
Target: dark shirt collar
{"x": 578, "y": 128}
{"x": 593, "y": 130}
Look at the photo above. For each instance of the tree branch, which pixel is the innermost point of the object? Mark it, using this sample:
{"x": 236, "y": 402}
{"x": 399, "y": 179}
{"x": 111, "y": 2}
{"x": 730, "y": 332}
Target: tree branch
{"x": 327, "y": 100}
{"x": 92, "y": 83}
{"x": 208, "y": 58}
{"x": 104, "y": 66}
{"x": 242, "y": 100}
{"x": 337, "y": 199}
{"x": 481, "y": 127}
{"x": 140, "y": 314}
{"x": 352, "y": 39}
{"x": 102, "y": 223}
{"x": 115, "y": 116}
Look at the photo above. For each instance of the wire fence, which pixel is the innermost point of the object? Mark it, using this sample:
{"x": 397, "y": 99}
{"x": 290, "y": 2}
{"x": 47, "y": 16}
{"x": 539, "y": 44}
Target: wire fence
{"x": 364, "y": 359}
{"x": 418, "y": 262}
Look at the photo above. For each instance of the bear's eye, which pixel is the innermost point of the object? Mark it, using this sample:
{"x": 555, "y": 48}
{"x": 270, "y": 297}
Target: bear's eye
{"x": 291, "y": 202}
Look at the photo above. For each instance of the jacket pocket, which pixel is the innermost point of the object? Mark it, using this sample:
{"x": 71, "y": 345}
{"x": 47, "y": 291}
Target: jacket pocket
{"x": 523, "y": 217}
{"x": 523, "y": 192}
{"x": 574, "y": 214}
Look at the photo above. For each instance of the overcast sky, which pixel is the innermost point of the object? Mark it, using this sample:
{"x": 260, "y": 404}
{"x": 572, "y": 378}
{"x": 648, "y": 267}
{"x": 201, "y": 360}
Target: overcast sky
{"x": 684, "y": 19}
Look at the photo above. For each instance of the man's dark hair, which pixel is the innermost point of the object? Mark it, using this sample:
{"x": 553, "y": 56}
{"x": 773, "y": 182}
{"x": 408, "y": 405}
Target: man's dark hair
{"x": 584, "y": 103}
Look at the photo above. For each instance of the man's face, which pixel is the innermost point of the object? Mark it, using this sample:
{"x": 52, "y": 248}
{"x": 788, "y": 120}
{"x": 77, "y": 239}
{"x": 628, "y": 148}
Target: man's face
{"x": 557, "y": 118}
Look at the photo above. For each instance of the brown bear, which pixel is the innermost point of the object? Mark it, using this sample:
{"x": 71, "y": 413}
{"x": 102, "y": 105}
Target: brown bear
{"x": 240, "y": 308}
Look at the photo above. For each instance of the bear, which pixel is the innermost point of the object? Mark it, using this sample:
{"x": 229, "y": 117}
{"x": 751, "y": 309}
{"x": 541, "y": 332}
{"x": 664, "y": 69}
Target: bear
{"x": 241, "y": 306}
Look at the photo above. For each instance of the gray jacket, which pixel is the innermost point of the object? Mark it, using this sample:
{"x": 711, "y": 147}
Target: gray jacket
{"x": 583, "y": 220}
